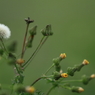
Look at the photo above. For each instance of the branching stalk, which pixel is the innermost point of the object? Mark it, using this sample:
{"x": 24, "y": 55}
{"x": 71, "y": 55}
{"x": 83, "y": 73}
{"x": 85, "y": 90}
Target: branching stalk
{"x": 35, "y": 52}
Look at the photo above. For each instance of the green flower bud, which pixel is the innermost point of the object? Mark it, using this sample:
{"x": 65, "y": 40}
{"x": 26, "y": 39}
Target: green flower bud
{"x": 19, "y": 88}
{"x": 57, "y": 68}
{"x": 56, "y": 75}
{"x": 33, "y": 30}
{"x": 29, "y": 43}
{"x": 47, "y": 31}
{"x": 77, "y": 89}
{"x": 78, "y": 67}
{"x": 86, "y": 79}
{"x": 71, "y": 71}
{"x": 56, "y": 61}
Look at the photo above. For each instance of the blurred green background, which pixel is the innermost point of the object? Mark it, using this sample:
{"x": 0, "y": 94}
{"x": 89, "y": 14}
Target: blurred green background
{"x": 73, "y": 24}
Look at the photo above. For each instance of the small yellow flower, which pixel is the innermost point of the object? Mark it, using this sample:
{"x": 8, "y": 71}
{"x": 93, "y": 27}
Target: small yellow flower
{"x": 30, "y": 89}
{"x": 63, "y": 55}
{"x": 64, "y": 75}
{"x": 20, "y": 61}
{"x": 85, "y": 62}
{"x": 80, "y": 89}
{"x": 92, "y": 76}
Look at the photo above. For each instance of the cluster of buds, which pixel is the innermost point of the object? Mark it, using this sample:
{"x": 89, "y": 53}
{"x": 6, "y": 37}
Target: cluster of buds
{"x": 57, "y": 74}
{"x": 72, "y": 70}
{"x": 57, "y": 61}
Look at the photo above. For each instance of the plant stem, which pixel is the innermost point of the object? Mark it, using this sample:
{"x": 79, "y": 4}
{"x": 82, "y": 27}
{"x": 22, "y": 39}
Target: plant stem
{"x": 71, "y": 81}
{"x": 23, "y": 48}
{"x": 17, "y": 69}
{"x": 50, "y": 90}
{"x": 66, "y": 87}
{"x": 48, "y": 69}
{"x": 3, "y": 45}
{"x": 36, "y": 81}
{"x": 42, "y": 41}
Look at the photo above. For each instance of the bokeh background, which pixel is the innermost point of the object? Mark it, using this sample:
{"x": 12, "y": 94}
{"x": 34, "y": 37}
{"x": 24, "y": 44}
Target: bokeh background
{"x": 73, "y": 24}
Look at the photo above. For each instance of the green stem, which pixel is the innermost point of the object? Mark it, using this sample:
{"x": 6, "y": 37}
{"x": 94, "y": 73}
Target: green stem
{"x": 35, "y": 52}
{"x": 66, "y": 87}
{"x": 44, "y": 77}
{"x": 17, "y": 69}
{"x": 23, "y": 47}
{"x": 3, "y": 45}
{"x": 50, "y": 90}
{"x": 48, "y": 69}
{"x": 71, "y": 81}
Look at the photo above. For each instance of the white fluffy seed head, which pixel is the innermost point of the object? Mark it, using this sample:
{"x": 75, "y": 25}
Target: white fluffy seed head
{"x": 4, "y": 31}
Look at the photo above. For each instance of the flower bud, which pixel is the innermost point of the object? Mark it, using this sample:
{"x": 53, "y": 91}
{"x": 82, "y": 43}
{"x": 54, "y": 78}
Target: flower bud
{"x": 33, "y": 30}
{"x": 56, "y": 75}
{"x": 62, "y": 55}
{"x": 57, "y": 68}
{"x": 29, "y": 42}
{"x": 92, "y": 76}
{"x": 77, "y": 89}
{"x": 85, "y": 62}
{"x": 18, "y": 88}
{"x": 20, "y": 61}
{"x": 47, "y": 31}
{"x": 71, "y": 70}
{"x": 80, "y": 89}
{"x": 64, "y": 75}
{"x": 86, "y": 79}
{"x": 30, "y": 89}
{"x": 56, "y": 61}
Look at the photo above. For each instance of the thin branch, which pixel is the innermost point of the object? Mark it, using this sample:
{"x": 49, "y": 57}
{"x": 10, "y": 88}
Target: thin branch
{"x": 36, "y": 51}
{"x": 23, "y": 47}
{"x": 36, "y": 81}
